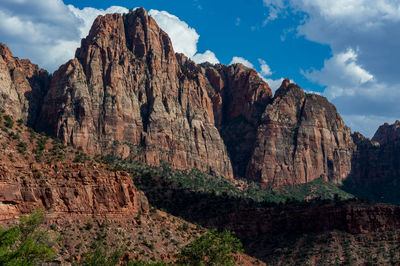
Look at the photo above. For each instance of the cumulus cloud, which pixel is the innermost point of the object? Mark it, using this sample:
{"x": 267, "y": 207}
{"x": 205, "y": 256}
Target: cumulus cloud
{"x": 241, "y": 60}
{"x": 184, "y": 38}
{"x": 340, "y": 74}
{"x": 364, "y": 35}
{"x": 367, "y": 124}
{"x": 265, "y": 69}
{"x": 207, "y": 56}
{"x": 89, "y": 14}
{"x": 46, "y": 31}
{"x": 264, "y": 72}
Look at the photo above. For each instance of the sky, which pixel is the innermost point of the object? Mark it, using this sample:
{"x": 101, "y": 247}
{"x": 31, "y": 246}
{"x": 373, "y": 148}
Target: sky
{"x": 345, "y": 50}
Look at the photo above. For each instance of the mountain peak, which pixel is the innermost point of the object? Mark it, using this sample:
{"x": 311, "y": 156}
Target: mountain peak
{"x": 387, "y": 133}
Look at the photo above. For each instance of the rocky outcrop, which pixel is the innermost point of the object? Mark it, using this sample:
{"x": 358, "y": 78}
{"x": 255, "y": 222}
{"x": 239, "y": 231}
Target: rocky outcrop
{"x": 375, "y": 166}
{"x": 55, "y": 180}
{"x": 23, "y": 86}
{"x": 78, "y": 191}
{"x": 387, "y": 133}
{"x": 239, "y": 98}
{"x": 301, "y": 137}
{"x": 127, "y": 92}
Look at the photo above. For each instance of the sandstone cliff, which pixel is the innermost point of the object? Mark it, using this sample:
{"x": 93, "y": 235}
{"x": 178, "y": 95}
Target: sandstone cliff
{"x": 22, "y": 86}
{"x": 376, "y": 167}
{"x": 36, "y": 172}
{"x": 128, "y": 92}
{"x": 387, "y": 133}
{"x": 301, "y": 138}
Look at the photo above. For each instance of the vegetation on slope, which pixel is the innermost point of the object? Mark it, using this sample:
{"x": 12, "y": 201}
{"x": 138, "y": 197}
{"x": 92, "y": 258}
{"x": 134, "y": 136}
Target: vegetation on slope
{"x": 26, "y": 243}
{"x": 149, "y": 177}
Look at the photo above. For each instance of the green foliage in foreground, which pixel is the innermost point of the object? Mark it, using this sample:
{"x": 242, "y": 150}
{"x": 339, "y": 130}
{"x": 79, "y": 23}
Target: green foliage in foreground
{"x": 212, "y": 248}
{"x": 101, "y": 255}
{"x": 25, "y": 243}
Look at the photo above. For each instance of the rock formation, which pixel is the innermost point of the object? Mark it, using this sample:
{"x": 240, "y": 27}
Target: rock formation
{"x": 22, "y": 86}
{"x": 59, "y": 184}
{"x": 301, "y": 138}
{"x": 239, "y": 98}
{"x": 375, "y": 166}
{"x": 387, "y": 133}
{"x": 127, "y": 91}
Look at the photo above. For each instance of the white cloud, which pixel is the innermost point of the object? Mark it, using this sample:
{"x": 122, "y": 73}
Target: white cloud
{"x": 274, "y": 84}
{"x": 367, "y": 124}
{"x": 46, "y": 31}
{"x": 264, "y": 73}
{"x": 89, "y": 14}
{"x": 241, "y": 60}
{"x": 340, "y": 74}
{"x": 184, "y": 38}
{"x": 207, "y": 56}
{"x": 265, "y": 69}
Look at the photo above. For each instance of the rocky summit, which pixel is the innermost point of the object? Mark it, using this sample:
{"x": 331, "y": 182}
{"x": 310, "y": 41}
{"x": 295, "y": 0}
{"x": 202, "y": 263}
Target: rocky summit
{"x": 301, "y": 137}
{"x": 23, "y": 86}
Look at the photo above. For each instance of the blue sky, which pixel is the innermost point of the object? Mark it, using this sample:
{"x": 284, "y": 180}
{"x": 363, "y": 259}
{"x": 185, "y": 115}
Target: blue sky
{"x": 345, "y": 50}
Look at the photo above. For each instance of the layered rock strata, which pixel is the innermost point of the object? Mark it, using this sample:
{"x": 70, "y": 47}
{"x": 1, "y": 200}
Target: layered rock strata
{"x": 63, "y": 182}
{"x": 301, "y": 137}
{"x": 127, "y": 91}
{"x": 23, "y": 86}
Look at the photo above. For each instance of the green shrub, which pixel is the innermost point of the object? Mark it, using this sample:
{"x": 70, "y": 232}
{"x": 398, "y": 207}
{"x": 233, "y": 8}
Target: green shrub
{"x": 8, "y": 121}
{"x": 22, "y": 147}
{"x": 212, "y": 248}
{"x": 100, "y": 254}
{"x": 26, "y": 244}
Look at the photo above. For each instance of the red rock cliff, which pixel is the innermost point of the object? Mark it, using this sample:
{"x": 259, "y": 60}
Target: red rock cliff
{"x": 387, "y": 133}
{"x": 301, "y": 138}
{"x": 53, "y": 179}
{"x": 128, "y": 92}
{"x": 22, "y": 86}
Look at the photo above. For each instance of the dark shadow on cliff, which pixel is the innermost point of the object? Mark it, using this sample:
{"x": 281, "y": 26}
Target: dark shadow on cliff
{"x": 375, "y": 173}
{"x": 40, "y": 84}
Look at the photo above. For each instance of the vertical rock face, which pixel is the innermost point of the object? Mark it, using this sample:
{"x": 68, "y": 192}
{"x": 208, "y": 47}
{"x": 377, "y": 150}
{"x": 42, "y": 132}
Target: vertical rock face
{"x": 239, "y": 98}
{"x": 301, "y": 138}
{"x": 22, "y": 86}
{"x": 371, "y": 164}
{"x": 376, "y": 162}
{"x": 387, "y": 133}
{"x": 127, "y": 91}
